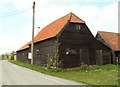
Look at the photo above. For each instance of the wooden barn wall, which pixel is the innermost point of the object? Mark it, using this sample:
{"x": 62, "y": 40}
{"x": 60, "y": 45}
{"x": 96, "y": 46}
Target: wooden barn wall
{"x": 117, "y": 53}
{"x": 105, "y": 53}
{"x": 42, "y": 50}
{"x": 106, "y": 59}
{"x": 77, "y": 47}
{"x": 99, "y": 38}
{"x": 23, "y": 55}
{"x": 74, "y": 38}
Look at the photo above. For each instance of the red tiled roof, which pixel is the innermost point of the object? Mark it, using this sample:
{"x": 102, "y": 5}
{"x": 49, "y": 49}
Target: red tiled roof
{"x": 25, "y": 46}
{"x": 54, "y": 28}
{"x": 113, "y": 39}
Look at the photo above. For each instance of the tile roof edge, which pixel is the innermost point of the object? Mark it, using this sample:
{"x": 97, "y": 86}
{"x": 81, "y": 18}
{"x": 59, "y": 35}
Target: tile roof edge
{"x": 105, "y": 40}
{"x": 109, "y": 32}
{"x": 22, "y": 49}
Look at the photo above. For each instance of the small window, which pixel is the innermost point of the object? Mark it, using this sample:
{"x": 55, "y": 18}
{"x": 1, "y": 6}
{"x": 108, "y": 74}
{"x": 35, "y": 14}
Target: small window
{"x": 37, "y": 50}
{"x": 70, "y": 51}
{"x": 78, "y": 27}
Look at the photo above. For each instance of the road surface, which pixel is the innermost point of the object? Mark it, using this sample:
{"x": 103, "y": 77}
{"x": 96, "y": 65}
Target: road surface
{"x": 16, "y": 75}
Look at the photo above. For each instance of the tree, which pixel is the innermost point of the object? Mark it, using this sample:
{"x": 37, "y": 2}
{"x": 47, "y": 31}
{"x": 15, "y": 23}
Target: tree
{"x": 6, "y": 55}
{"x": 12, "y": 55}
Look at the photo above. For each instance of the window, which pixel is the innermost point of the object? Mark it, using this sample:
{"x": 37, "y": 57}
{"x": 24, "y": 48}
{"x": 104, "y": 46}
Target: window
{"x": 78, "y": 27}
{"x": 70, "y": 51}
{"x": 37, "y": 52}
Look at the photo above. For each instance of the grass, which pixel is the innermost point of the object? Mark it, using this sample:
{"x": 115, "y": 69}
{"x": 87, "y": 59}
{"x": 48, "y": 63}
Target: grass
{"x": 91, "y": 75}
{"x": 4, "y": 58}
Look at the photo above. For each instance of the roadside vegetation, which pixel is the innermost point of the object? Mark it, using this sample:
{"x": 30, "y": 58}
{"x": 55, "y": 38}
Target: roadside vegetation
{"x": 91, "y": 75}
{"x": 4, "y": 58}
{"x": 8, "y": 56}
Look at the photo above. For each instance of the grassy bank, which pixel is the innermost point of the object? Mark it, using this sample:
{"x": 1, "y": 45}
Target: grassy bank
{"x": 92, "y": 75}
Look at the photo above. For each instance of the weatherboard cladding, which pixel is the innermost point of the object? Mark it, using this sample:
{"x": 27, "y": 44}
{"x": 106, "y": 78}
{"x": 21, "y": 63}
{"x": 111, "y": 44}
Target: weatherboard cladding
{"x": 23, "y": 55}
{"x": 84, "y": 43}
{"x": 77, "y": 44}
{"x": 111, "y": 40}
{"x": 42, "y": 50}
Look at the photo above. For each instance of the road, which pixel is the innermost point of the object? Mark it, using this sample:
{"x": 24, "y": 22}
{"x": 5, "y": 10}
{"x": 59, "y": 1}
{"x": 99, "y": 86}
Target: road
{"x": 16, "y": 75}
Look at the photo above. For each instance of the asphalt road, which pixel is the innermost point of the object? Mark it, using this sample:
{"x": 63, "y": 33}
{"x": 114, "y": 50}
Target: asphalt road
{"x": 16, "y": 75}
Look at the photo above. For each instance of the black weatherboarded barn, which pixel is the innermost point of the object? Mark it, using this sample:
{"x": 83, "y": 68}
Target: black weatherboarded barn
{"x": 111, "y": 40}
{"x": 68, "y": 40}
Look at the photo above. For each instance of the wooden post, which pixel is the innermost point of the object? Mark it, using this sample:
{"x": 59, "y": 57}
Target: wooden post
{"x": 32, "y": 45}
{"x": 101, "y": 58}
{"x": 113, "y": 57}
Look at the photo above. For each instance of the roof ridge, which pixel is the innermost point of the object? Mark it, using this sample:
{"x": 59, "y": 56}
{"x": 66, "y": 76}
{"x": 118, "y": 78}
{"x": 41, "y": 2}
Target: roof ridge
{"x": 70, "y": 15}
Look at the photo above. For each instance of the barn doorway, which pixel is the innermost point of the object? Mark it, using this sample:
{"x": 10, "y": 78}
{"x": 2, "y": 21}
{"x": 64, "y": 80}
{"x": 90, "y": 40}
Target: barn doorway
{"x": 84, "y": 56}
{"x": 99, "y": 60}
{"x": 71, "y": 59}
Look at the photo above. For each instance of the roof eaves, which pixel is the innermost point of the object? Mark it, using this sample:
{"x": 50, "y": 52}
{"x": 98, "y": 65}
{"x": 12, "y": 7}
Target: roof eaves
{"x": 62, "y": 29}
{"x": 22, "y": 49}
{"x": 104, "y": 40}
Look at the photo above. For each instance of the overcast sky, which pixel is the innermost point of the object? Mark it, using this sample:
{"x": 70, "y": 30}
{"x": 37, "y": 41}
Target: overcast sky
{"x": 16, "y": 18}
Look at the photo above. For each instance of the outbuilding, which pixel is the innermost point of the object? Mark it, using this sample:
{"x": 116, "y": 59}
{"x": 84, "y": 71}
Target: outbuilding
{"x": 111, "y": 40}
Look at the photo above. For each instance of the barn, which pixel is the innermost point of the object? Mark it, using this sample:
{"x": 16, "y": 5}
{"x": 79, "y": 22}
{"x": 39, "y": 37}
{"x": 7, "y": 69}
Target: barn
{"x": 111, "y": 40}
{"x": 67, "y": 41}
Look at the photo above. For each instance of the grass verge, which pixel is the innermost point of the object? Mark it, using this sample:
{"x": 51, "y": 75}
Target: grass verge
{"x": 91, "y": 75}
{"x": 4, "y": 58}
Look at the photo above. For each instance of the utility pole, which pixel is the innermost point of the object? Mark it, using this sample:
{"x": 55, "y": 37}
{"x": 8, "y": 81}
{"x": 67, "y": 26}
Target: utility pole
{"x": 32, "y": 45}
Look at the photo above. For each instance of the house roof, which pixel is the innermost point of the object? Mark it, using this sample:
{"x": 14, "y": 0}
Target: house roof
{"x": 112, "y": 39}
{"x": 25, "y": 46}
{"x": 54, "y": 28}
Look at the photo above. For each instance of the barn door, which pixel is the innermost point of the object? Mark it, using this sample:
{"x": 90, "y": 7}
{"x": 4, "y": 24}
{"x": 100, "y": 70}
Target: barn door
{"x": 99, "y": 57}
{"x": 84, "y": 56}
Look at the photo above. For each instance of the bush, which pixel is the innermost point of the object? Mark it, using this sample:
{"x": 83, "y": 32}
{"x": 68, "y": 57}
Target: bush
{"x": 83, "y": 67}
{"x": 4, "y": 58}
{"x": 97, "y": 67}
{"x": 89, "y": 67}
{"x": 57, "y": 70}
{"x": 109, "y": 67}
{"x": 50, "y": 62}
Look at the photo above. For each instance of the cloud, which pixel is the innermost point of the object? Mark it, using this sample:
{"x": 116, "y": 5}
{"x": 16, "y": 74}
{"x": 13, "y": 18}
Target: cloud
{"x": 107, "y": 20}
{"x": 104, "y": 19}
{"x": 7, "y": 43}
{"x": 97, "y": 18}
